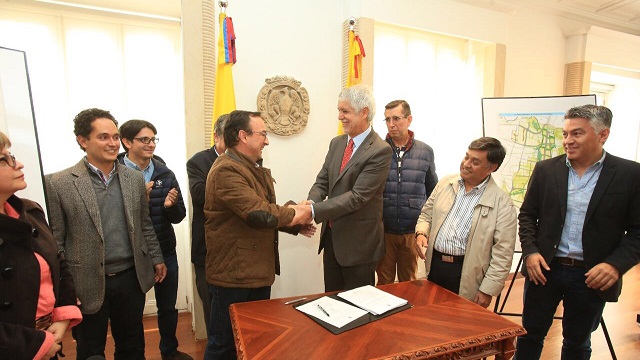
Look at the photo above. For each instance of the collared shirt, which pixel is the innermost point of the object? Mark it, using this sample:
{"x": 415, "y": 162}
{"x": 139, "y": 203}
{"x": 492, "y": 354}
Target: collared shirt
{"x": 106, "y": 178}
{"x": 579, "y": 194}
{"x": 454, "y": 232}
{"x": 358, "y": 139}
{"x": 146, "y": 172}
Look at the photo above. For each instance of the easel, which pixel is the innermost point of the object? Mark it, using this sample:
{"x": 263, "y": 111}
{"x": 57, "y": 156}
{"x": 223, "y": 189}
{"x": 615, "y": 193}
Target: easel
{"x": 506, "y": 296}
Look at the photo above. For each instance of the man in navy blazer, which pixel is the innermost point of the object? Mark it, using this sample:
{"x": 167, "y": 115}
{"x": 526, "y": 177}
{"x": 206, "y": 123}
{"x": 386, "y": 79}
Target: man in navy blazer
{"x": 348, "y": 201}
{"x": 580, "y": 232}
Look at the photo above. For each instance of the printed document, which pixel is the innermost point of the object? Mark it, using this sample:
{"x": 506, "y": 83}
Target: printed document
{"x": 372, "y": 299}
{"x": 332, "y": 311}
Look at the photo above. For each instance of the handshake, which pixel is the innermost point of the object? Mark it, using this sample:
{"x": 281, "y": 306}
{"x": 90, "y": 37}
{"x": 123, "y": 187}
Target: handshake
{"x": 302, "y": 217}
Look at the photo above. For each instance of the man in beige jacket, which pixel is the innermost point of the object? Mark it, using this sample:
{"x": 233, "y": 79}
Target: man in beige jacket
{"x": 468, "y": 227}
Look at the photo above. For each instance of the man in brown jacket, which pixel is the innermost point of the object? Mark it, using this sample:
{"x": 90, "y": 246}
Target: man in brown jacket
{"x": 241, "y": 227}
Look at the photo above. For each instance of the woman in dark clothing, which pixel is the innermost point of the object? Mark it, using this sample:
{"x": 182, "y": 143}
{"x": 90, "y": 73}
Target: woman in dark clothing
{"x": 37, "y": 299}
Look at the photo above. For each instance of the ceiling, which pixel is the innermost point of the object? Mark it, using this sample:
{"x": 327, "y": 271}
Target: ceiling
{"x": 619, "y": 15}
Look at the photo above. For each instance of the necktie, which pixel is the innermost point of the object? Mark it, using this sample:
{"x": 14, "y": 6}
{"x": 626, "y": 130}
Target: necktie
{"x": 347, "y": 154}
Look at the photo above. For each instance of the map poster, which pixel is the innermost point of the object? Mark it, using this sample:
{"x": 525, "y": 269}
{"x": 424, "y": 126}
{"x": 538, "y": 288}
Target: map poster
{"x": 531, "y": 130}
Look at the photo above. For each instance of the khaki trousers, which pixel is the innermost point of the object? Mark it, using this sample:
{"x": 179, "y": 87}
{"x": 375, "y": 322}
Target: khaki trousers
{"x": 401, "y": 254}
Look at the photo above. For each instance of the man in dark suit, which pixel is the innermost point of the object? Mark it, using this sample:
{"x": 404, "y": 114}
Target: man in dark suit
{"x": 580, "y": 232}
{"x": 198, "y": 168}
{"x": 347, "y": 195}
{"x": 100, "y": 220}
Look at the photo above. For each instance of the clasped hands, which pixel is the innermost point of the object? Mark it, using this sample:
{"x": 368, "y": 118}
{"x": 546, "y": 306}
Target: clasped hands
{"x": 303, "y": 217}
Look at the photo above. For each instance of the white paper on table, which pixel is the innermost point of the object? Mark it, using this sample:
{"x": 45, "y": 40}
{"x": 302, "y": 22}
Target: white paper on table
{"x": 340, "y": 313}
{"x": 372, "y": 299}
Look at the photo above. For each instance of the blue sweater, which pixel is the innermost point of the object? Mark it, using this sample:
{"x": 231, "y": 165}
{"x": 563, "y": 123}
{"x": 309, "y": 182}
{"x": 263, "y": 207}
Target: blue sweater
{"x": 408, "y": 186}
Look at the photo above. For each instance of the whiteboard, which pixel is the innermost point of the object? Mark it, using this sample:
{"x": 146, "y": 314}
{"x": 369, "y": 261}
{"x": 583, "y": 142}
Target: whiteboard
{"x": 17, "y": 121}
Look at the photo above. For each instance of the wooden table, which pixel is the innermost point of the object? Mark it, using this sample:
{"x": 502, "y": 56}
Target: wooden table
{"x": 441, "y": 325}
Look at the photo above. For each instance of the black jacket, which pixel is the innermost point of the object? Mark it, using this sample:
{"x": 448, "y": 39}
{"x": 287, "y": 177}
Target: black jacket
{"x": 198, "y": 168}
{"x": 20, "y": 278}
{"x": 611, "y": 231}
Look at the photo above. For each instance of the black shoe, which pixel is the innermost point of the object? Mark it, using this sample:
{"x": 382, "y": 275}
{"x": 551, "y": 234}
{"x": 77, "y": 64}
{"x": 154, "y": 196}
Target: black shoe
{"x": 178, "y": 355}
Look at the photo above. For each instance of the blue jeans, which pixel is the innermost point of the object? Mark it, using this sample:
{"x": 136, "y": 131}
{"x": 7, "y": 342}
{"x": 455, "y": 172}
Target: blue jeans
{"x": 220, "y": 345}
{"x": 166, "y": 296}
{"x": 582, "y": 313}
{"x": 122, "y": 307}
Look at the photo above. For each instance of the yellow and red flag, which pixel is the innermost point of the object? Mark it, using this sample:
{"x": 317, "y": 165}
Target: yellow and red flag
{"x": 356, "y": 54}
{"x": 224, "y": 97}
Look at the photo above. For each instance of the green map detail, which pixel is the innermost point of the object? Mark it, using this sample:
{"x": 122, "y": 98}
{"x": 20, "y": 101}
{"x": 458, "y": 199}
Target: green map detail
{"x": 530, "y": 141}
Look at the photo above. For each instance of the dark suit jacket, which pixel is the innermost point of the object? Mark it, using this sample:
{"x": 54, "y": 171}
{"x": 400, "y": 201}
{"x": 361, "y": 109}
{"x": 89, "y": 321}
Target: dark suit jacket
{"x": 352, "y": 199}
{"x": 77, "y": 229}
{"x": 198, "y": 168}
{"x": 611, "y": 230}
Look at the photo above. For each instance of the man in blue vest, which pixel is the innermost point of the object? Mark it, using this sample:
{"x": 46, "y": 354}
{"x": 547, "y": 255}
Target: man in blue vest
{"x": 411, "y": 179}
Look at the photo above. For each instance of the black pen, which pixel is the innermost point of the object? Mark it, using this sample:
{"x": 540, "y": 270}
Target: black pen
{"x": 323, "y": 310}
{"x": 295, "y": 301}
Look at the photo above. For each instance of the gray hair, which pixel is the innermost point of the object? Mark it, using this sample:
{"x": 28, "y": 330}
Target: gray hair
{"x": 599, "y": 116}
{"x": 359, "y": 97}
{"x": 218, "y": 127}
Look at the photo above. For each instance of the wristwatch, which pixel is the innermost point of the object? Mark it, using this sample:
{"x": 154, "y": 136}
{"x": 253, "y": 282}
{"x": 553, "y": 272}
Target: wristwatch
{"x": 418, "y": 233}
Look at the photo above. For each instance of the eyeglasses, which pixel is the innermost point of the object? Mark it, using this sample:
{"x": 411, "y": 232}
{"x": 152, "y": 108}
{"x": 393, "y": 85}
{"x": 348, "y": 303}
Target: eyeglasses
{"x": 263, "y": 133}
{"x": 394, "y": 118}
{"x": 146, "y": 140}
{"x": 10, "y": 159}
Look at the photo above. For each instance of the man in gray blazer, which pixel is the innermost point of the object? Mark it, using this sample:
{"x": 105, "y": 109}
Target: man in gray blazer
{"x": 99, "y": 214}
{"x": 347, "y": 195}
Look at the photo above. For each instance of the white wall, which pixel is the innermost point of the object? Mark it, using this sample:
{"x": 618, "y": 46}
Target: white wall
{"x": 305, "y": 43}
{"x": 613, "y": 48}
{"x": 535, "y": 55}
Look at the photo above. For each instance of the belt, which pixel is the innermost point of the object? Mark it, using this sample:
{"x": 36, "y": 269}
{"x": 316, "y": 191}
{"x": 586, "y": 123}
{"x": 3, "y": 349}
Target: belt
{"x": 120, "y": 272}
{"x": 44, "y": 322}
{"x": 448, "y": 258}
{"x": 569, "y": 261}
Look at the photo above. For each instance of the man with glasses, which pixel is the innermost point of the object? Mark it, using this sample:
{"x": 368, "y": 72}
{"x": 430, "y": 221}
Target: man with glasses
{"x": 166, "y": 207}
{"x": 99, "y": 216}
{"x": 468, "y": 227}
{"x": 241, "y": 228}
{"x": 411, "y": 179}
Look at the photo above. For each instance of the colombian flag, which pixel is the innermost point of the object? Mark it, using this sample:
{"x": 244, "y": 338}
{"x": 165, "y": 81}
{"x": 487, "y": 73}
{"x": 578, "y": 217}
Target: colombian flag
{"x": 224, "y": 98}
